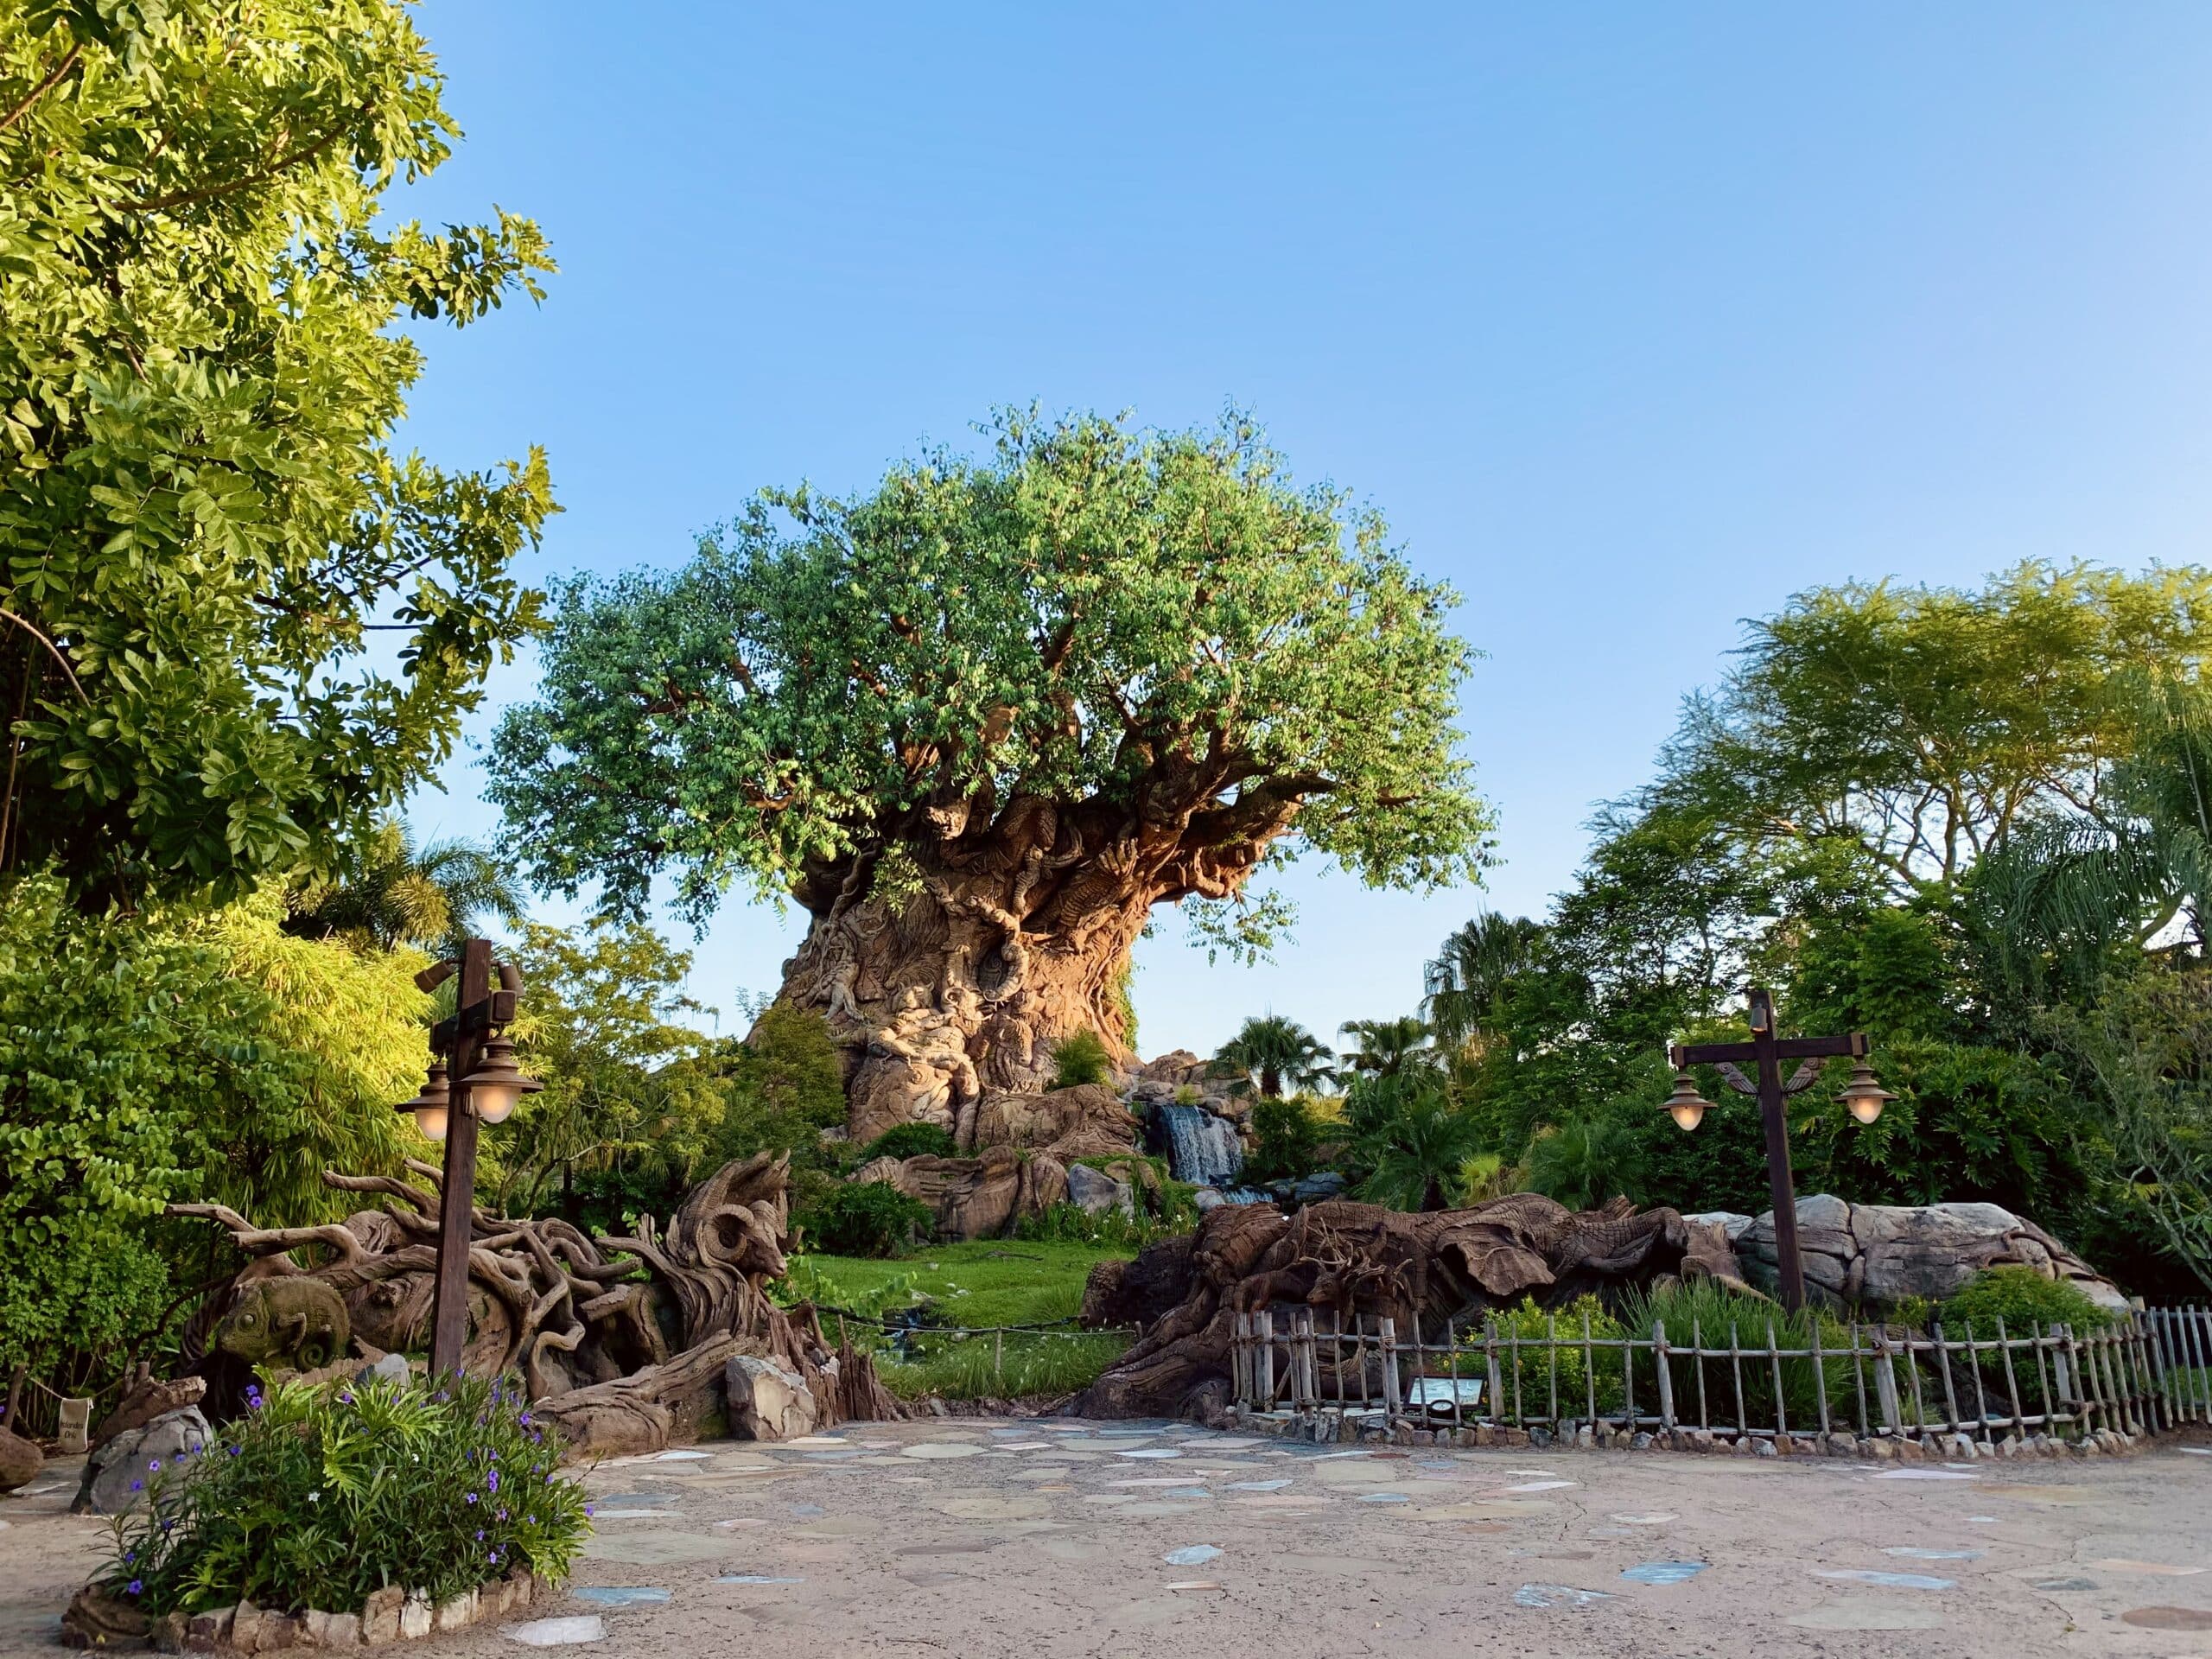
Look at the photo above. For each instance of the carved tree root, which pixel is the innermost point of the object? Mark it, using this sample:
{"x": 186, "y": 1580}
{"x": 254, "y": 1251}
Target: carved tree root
{"x": 586, "y": 1321}
{"x": 1360, "y": 1260}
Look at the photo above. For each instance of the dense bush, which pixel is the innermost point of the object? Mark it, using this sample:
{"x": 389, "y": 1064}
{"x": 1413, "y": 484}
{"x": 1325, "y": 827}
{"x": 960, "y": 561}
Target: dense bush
{"x": 909, "y": 1140}
{"x": 322, "y": 1495}
{"x": 1288, "y": 1142}
{"x": 2023, "y": 1298}
{"x": 1081, "y": 1059}
{"x": 864, "y": 1218}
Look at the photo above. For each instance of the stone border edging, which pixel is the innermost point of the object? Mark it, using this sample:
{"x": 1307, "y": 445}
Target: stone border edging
{"x": 390, "y": 1615}
{"x": 1328, "y": 1428}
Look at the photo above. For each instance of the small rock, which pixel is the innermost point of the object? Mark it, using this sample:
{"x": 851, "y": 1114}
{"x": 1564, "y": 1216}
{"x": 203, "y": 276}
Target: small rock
{"x": 380, "y": 1616}
{"x": 1763, "y": 1449}
{"x": 245, "y": 1627}
{"x": 331, "y": 1630}
{"x": 457, "y": 1614}
{"x": 392, "y": 1368}
{"x": 1639, "y": 1441}
{"x": 558, "y": 1632}
{"x": 415, "y": 1617}
{"x": 111, "y": 1472}
{"x": 20, "y": 1460}
{"x": 204, "y": 1632}
{"x": 278, "y": 1632}
{"x": 766, "y": 1401}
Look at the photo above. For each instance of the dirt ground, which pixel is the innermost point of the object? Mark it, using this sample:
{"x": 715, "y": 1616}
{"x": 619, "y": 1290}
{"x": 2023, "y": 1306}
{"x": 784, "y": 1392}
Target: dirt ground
{"x": 1046, "y": 1538}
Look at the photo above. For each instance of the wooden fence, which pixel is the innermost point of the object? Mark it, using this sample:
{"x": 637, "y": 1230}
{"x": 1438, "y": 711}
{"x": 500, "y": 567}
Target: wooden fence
{"x": 2149, "y": 1371}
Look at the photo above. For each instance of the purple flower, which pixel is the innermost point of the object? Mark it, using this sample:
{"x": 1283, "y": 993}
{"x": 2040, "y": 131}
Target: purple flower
{"x": 346, "y": 1396}
{"x": 501, "y": 1515}
{"x": 131, "y": 1558}
{"x": 471, "y": 1496}
{"x": 233, "y": 1450}
{"x": 492, "y": 1481}
{"x": 586, "y": 1508}
{"x": 480, "y": 1535}
{"x": 523, "y": 1419}
{"x": 154, "y": 1464}
{"x": 137, "y": 1485}
{"x": 137, "y": 1585}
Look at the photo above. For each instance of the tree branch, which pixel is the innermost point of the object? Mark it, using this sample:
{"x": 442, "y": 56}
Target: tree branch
{"x": 44, "y": 86}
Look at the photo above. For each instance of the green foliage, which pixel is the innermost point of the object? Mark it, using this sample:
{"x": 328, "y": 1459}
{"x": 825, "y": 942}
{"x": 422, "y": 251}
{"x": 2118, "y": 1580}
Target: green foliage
{"x": 1071, "y": 1224}
{"x": 1288, "y": 1142}
{"x": 1092, "y": 615}
{"x": 600, "y": 1031}
{"x": 1464, "y": 985}
{"x": 984, "y": 1282}
{"x": 2023, "y": 1298}
{"x": 1275, "y": 1055}
{"x": 201, "y": 371}
{"x": 179, "y": 1056}
{"x": 1585, "y": 1161}
{"x": 1411, "y": 1140}
{"x": 1530, "y": 1370}
{"x": 324, "y": 1496}
{"x": 1712, "y": 1316}
{"x": 869, "y": 1218}
{"x": 389, "y": 891}
{"x": 1386, "y": 1047}
{"x": 909, "y": 1140}
{"x": 1081, "y": 1058}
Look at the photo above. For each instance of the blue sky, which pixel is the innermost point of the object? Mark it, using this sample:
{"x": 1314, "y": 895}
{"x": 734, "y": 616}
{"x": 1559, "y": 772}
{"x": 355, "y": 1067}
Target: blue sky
{"x": 1633, "y": 320}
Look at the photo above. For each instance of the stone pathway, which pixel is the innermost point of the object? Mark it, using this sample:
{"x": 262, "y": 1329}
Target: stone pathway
{"x": 973, "y": 1537}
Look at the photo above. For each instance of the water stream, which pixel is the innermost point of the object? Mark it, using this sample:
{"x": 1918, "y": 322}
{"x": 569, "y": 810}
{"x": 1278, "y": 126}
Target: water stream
{"x": 1201, "y": 1148}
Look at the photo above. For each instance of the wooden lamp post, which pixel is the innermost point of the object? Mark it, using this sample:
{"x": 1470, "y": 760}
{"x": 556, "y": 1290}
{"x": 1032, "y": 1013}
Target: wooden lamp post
{"x": 1863, "y": 1094}
{"x": 473, "y": 1079}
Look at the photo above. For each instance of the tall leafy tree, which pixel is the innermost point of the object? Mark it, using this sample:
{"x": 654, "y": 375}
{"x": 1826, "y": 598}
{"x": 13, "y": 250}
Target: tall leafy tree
{"x": 981, "y": 719}
{"x": 202, "y": 520}
{"x": 1383, "y": 1048}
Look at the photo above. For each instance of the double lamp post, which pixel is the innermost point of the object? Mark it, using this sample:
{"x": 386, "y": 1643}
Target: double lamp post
{"x": 1765, "y": 1053}
{"x": 472, "y": 1079}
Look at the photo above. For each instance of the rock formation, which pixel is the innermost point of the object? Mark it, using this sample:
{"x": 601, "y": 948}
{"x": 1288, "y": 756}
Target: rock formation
{"x": 1880, "y": 1255}
{"x": 1020, "y": 1149}
{"x": 623, "y": 1342}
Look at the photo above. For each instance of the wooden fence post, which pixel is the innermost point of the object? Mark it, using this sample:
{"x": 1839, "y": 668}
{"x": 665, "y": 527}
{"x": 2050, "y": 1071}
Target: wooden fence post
{"x": 1391, "y": 1398}
{"x": 1665, "y": 1374}
{"x": 1885, "y": 1386}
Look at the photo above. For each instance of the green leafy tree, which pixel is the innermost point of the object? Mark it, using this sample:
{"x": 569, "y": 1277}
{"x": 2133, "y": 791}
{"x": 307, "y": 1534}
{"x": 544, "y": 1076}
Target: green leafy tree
{"x": 602, "y": 1032}
{"x": 181, "y": 1057}
{"x": 1276, "y": 1055}
{"x": 201, "y": 517}
{"x": 981, "y": 719}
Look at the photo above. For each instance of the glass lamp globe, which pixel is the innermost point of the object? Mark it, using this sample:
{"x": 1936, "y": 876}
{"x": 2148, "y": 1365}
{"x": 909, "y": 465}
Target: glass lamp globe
{"x": 498, "y": 1084}
{"x": 1686, "y": 1106}
{"x": 1863, "y": 1094}
{"x": 431, "y": 1104}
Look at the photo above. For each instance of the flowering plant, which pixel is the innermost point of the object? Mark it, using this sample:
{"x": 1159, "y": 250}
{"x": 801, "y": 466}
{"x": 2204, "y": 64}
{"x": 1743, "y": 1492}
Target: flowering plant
{"x": 318, "y": 1495}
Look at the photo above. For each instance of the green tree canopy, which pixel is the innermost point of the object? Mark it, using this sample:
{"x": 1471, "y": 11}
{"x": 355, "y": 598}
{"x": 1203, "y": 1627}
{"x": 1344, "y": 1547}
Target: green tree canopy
{"x": 1274, "y": 1054}
{"x": 201, "y": 519}
{"x": 1153, "y": 628}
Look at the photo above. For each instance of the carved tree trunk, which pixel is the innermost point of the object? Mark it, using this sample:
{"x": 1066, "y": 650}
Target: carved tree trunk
{"x": 1007, "y": 933}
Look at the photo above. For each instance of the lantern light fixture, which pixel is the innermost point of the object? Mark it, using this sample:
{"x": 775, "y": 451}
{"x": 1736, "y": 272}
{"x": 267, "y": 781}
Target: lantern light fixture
{"x": 498, "y": 1084}
{"x": 1864, "y": 1095}
{"x": 432, "y": 1104}
{"x": 1686, "y": 1106}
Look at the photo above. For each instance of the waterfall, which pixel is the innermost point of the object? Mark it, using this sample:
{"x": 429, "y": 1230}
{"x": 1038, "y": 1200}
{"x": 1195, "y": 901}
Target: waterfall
{"x": 1201, "y": 1148}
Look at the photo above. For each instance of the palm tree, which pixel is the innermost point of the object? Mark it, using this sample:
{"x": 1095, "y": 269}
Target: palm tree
{"x": 1387, "y": 1047}
{"x": 1465, "y": 982}
{"x": 1273, "y": 1052}
{"x": 1418, "y": 1147}
{"x": 393, "y": 893}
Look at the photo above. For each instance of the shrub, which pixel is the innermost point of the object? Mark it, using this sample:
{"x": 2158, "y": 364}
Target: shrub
{"x": 1079, "y": 1059}
{"x": 2021, "y": 1297}
{"x": 1586, "y": 1161}
{"x": 1288, "y": 1142}
{"x": 865, "y": 1218}
{"x": 910, "y": 1141}
{"x": 1530, "y": 1370}
{"x": 322, "y": 1495}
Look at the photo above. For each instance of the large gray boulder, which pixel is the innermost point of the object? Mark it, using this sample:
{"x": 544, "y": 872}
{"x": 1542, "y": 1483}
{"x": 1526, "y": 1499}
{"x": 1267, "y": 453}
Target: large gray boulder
{"x": 20, "y": 1460}
{"x": 1096, "y": 1193}
{"x": 1880, "y": 1255}
{"x": 118, "y": 1473}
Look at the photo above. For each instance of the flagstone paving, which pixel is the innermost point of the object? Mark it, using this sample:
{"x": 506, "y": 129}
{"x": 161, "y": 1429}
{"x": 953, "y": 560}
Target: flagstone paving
{"x": 1047, "y": 1538}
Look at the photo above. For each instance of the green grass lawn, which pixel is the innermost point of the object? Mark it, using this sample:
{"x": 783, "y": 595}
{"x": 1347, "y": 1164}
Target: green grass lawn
{"x": 985, "y": 1282}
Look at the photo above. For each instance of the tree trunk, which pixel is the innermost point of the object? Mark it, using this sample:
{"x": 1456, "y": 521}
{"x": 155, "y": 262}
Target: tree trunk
{"x": 935, "y": 1000}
